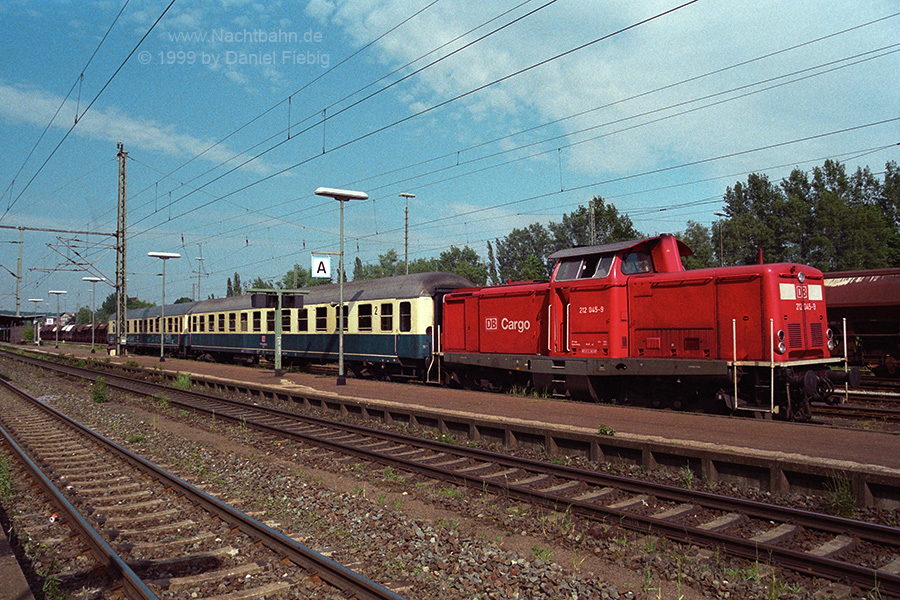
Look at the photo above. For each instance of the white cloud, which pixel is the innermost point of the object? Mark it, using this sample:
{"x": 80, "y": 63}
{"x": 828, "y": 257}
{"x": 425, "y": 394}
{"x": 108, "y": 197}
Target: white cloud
{"x": 687, "y": 43}
{"x": 36, "y": 107}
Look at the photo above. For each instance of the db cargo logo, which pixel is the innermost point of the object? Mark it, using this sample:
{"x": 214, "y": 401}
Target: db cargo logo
{"x": 493, "y": 324}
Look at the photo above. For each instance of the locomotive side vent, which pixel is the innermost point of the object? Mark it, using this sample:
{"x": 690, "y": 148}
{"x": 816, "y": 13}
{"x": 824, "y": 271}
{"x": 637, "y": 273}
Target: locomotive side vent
{"x": 795, "y": 335}
{"x": 816, "y": 336}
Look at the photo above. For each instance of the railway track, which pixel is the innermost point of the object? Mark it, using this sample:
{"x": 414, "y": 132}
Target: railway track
{"x": 150, "y": 533}
{"x": 860, "y": 553}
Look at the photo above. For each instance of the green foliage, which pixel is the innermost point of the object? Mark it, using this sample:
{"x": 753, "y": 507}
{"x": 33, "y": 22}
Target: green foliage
{"x": 705, "y": 244}
{"x": 83, "y": 316}
{"x": 825, "y": 218}
{"x": 605, "y": 430}
{"x": 100, "y": 391}
{"x": 6, "y": 483}
{"x": 234, "y": 287}
{"x": 184, "y": 300}
{"x": 464, "y": 262}
{"x": 841, "y": 496}
{"x": 182, "y": 381}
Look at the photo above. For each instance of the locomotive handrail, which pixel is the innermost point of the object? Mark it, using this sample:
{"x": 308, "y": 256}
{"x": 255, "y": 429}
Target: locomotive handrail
{"x": 772, "y": 367}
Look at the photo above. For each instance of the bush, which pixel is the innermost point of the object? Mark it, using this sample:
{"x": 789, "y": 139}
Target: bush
{"x": 100, "y": 391}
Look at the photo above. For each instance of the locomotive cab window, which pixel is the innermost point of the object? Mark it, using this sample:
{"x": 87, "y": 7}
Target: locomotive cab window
{"x": 636, "y": 262}
{"x": 588, "y": 267}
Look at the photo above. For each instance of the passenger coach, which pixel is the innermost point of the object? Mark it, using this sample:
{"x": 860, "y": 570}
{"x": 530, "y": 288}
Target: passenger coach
{"x": 388, "y": 326}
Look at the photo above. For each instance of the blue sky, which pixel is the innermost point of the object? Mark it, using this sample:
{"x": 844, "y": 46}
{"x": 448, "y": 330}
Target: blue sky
{"x": 494, "y": 114}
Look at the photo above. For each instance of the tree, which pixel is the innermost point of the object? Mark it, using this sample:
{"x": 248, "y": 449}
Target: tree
{"x": 234, "y": 288}
{"x": 750, "y": 208}
{"x": 184, "y": 300}
{"x": 464, "y": 262}
{"x": 596, "y": 223}
{"x": 108, "y": 308}
{"x": 261, "y": 284}
{"x": 826, "y": 219}
{"x": 84, "y": 316}
{"x": 705, "y": 244}
{"x": 388, "y": 264}
{"x": 517, "y": 252}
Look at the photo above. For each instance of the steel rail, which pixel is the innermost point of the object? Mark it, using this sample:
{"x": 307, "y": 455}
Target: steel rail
{"x": 328, "y": 570}
{"x": 118, "y": 569}
{"x": 887, "y": 583}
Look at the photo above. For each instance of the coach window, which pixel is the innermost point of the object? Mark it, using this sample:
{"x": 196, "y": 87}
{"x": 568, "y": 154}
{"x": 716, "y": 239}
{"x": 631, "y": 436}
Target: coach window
{"x": 232, "y": 322}
{"x": 346, "y": 312}
{"x": 257, "y": 321}
{"x": 212, "y": 323}
{"x": 387, "y": 317}
{"x": 285, "y": 319}
{"x": 405, "y": 316}
{"x": 270, "y": 321}
{"x": 202, "y": 324}
{"x": 321, "y": 318}
{"x": 221, "y": 328}
{"x": 303, "y": 320}
{"x": 364, "y": 317}
{"x": 243, "y": 322}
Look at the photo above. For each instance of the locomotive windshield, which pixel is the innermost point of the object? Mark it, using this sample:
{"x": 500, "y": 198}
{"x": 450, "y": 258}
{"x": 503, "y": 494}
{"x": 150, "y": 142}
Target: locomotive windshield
{"x": 596, "y": 266}
{"x": 636, "y": 262}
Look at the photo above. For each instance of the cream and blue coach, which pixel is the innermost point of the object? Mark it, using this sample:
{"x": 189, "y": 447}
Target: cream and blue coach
{"x": 390, "y": 326}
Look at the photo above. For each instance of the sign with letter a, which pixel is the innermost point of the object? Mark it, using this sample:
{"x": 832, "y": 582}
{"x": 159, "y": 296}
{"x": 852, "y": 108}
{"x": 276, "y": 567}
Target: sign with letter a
{"x": 321, "y": 267}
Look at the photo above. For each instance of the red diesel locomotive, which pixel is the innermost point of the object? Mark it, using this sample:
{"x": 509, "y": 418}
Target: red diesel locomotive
{"x": 626, "y": 323}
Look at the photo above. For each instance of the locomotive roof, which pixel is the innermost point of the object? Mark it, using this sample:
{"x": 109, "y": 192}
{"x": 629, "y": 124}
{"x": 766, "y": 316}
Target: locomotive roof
{"x": 613, "y": 247}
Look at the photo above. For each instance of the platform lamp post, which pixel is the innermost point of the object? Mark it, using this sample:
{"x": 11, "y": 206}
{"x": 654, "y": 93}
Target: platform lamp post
{"x": 341, "y": 196}
{"x": 164, "y": 257}
{"x": 721, "y": 252}
{"x": 93, "y": 281}
{"x": 37, "y": 330}
{"x": 406, "y": 196}
{"x": 57, "y": 293}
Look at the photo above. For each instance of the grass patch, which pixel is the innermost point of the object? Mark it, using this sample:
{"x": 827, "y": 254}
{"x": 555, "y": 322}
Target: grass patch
{"x": 182, "y": 381}
{"x": 100, "y": 391}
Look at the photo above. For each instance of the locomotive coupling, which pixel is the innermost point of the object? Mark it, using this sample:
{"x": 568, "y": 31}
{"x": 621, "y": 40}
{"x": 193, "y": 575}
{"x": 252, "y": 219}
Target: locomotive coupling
{"x": 818, "y": 386}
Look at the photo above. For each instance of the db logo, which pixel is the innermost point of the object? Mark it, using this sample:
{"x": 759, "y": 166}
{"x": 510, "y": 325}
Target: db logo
{"x": 490, "y": 324}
